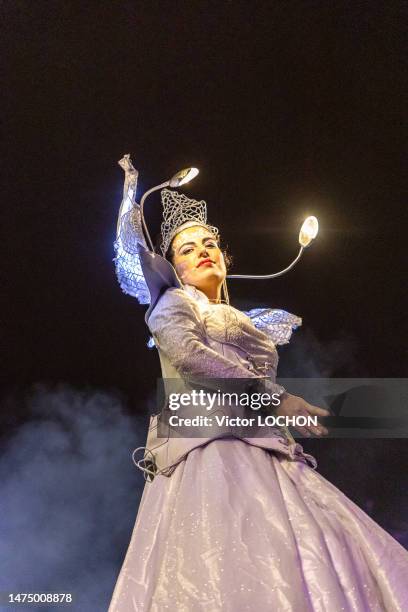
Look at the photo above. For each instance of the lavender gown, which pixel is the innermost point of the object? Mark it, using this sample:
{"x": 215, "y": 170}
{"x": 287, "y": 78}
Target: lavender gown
{"x": 238, "y": 527}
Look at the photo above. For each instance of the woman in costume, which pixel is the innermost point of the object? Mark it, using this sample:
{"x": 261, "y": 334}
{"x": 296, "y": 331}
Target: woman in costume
{"x": 229, "y": 524}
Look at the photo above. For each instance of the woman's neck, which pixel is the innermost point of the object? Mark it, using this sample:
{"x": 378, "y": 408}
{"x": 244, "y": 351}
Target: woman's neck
{"x": 213, "y": 293}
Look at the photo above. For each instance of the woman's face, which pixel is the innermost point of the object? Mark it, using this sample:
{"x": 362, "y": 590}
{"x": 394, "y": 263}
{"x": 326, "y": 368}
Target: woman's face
{"x": 198, "y": 259}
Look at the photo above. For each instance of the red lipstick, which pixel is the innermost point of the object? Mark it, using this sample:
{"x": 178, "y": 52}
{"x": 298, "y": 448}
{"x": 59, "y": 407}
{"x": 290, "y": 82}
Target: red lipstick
{"x": 205, "y": 261}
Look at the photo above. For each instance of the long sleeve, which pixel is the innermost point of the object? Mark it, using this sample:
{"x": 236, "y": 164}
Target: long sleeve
{"x": 179, "y": 334}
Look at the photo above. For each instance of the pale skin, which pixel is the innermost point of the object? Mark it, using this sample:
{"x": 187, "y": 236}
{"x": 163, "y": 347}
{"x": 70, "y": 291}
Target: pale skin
{"x": 189, "y": 251}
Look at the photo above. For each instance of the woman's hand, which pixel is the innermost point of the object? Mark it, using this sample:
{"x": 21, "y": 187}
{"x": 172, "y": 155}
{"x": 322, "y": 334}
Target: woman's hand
{"x": 291, "y": 405}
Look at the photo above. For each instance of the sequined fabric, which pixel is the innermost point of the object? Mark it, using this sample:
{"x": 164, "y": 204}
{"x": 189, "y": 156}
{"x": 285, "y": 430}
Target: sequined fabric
{"x": 239, "y": 529}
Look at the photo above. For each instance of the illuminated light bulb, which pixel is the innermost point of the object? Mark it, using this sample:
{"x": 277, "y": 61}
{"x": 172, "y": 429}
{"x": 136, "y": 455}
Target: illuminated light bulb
{"x": 308, "y": 231}
{"x": 183, "y": 177}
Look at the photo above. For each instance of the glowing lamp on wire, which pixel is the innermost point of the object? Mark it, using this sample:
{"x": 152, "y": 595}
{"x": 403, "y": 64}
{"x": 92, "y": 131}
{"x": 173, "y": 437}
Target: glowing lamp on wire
{"x": 308, "y": 231}
{"x": 183, "y": 177}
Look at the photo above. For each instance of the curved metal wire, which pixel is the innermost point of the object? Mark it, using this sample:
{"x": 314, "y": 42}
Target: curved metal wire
{"x": 266, "y": 276}
{"x": 142, "y": 201}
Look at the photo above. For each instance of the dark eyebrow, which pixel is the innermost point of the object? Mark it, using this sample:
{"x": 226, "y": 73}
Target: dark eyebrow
{"x": 193, "y": 243}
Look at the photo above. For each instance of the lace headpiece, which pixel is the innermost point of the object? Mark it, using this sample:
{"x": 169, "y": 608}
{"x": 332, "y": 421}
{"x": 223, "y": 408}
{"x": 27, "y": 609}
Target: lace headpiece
{"x": 178, "y": 210}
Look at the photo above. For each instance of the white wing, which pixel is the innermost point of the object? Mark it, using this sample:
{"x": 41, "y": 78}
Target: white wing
{"x": 277, "y": 324}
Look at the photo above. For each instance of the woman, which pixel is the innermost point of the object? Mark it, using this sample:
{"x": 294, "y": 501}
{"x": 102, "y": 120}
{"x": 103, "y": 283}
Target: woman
{"x": 229, "y": 524}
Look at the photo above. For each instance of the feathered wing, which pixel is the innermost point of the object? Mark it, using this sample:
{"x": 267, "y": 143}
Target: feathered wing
{"x": 129, "y": 237}
{"x": 277, "y": 324}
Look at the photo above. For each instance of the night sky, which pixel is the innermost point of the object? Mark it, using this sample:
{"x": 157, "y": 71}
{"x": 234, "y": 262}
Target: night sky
{"x": 287, "y": 109}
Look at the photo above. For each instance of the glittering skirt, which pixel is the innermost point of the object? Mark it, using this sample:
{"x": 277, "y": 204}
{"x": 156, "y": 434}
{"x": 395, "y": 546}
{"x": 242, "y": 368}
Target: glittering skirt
{"x": 238, "y": 528}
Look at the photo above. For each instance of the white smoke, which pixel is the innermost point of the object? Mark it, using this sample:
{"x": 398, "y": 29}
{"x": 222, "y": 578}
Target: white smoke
{"x": 69, "y": 493}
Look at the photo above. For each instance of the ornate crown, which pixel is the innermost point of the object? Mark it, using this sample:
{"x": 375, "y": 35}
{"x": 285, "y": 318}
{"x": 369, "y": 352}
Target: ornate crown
{"x": 179, "y": 210}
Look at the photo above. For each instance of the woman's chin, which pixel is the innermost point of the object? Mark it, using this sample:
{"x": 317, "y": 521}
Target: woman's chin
{"x": 207, "y": 272}
{"x": 204, "y": 279}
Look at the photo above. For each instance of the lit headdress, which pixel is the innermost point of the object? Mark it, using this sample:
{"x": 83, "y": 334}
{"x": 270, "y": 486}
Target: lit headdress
{"x": 178, "y": 210}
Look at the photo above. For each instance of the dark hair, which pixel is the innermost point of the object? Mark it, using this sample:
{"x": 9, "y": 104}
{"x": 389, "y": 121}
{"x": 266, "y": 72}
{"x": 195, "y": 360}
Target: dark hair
{"x": 169, "y": 256}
